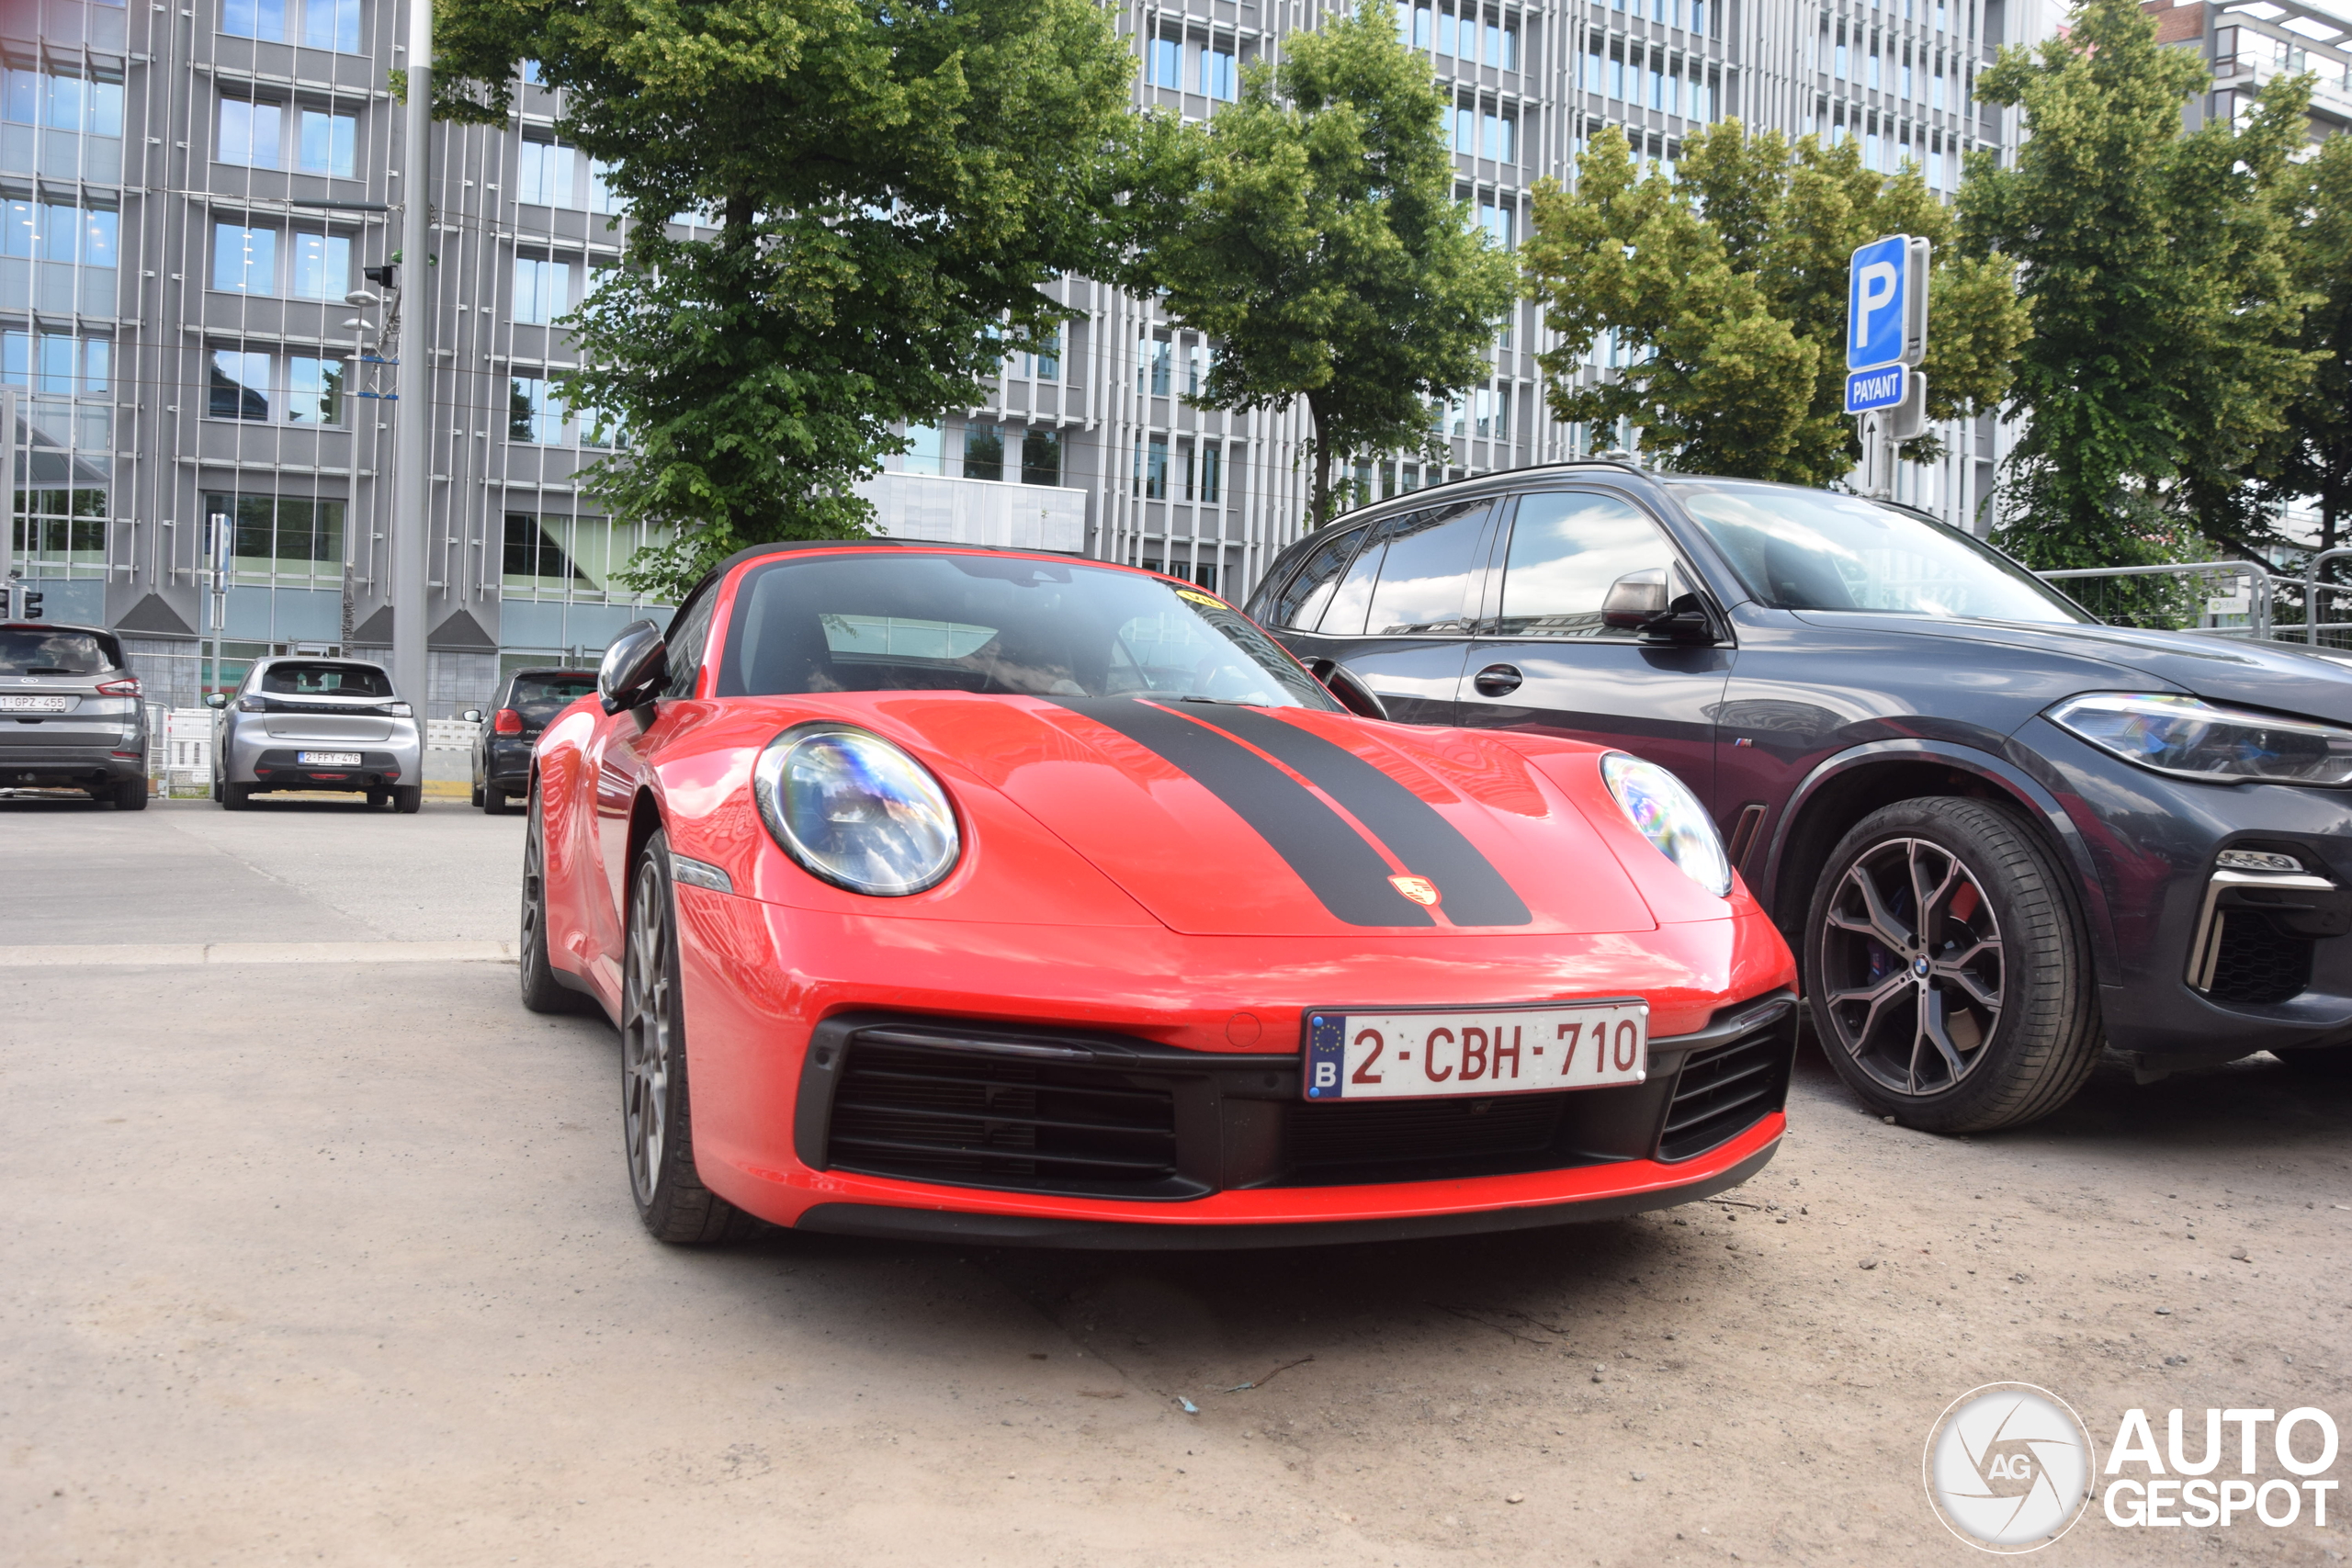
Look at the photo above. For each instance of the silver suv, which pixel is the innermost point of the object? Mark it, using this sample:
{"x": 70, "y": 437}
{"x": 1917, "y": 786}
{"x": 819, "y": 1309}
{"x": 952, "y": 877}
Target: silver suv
{"x": 317, "y": 723}
{"x": 70, "y": 715}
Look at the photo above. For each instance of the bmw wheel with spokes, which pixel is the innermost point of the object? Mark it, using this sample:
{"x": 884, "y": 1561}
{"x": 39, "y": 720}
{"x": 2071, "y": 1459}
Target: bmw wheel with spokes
{"x": 656, "y": 1114}
{"x": 1947, "y": 969}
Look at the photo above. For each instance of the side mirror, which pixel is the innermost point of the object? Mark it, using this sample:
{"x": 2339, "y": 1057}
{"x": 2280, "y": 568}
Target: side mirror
{"x": 1349, "y": 687}
{"x": 1634, "y": 600}
{"x": 1637, "y": 602}
{"x": 472, "y": 716}
{"x": 633, "y": 666}
{"x": 215, "y": 699}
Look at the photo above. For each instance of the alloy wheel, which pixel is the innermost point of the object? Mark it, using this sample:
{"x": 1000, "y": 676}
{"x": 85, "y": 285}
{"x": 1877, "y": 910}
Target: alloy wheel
{"x": 647, "y": 1036}
{"x": 534, "y": 891}
{"x": 1911, "y": 966}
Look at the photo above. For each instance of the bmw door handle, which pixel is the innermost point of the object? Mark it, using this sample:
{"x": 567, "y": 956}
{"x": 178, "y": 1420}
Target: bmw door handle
{"x": 1497, "y": 679}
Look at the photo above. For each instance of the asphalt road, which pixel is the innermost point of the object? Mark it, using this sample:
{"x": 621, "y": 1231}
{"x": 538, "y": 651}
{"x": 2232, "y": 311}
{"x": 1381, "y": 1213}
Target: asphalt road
{"x": 319, "y": 1249}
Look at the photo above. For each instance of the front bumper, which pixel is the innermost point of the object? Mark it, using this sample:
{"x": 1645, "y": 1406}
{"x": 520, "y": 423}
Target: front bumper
{"x": 2201, "y": 970}
{"x": 996, "y": 1047}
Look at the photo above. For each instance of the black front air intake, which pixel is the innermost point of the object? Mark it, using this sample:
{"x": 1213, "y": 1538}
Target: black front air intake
{"x": 1725, "y": 1089}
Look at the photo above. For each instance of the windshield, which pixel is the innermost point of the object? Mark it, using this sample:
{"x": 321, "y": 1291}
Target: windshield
{"x": 326, "y": 681}
{"x": 539, "y": 698}
{"x": 1800, "y": 549}
{"x": 875, "y": 621}
{"x": 24, "y": 651}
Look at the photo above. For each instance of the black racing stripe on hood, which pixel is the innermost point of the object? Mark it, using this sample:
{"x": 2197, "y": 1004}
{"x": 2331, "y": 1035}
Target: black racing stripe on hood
{"x": 1471, "y": 891}
{"x": 1341, "y": 870}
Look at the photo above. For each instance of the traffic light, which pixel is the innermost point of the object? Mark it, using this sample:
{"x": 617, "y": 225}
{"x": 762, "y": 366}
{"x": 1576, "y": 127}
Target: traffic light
{"x": 386, "y": 277}
{"x": 31, "y": 598}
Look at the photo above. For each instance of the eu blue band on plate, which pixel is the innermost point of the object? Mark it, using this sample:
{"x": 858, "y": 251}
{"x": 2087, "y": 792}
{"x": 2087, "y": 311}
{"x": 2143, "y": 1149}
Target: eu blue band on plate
{"x": 1327, "y": 1054}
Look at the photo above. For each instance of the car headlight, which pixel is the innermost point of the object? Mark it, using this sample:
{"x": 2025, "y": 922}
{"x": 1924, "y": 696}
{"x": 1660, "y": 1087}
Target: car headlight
{"x": 855, "y": 810}
{"x": 2191, "y": 739}
{"x": 1670, "y": 815}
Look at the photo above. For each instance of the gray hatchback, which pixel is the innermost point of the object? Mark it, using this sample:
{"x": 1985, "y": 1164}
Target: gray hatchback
{"x": 317, "y": 723}
{"x": 70, "y": 715}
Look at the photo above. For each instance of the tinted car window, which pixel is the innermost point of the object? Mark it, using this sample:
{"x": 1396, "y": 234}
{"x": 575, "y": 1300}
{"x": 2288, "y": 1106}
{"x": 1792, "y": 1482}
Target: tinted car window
{"x": 27, "y": 653}
{"x": 326, "y": 681}
{"x": 1566, "y": 549}
{"x": 908, "y": 621}
{"x": 1800, "y": 549}
{"x": 1426, "y": 570}
{"x": 539, "y": 698}
{"x": 1304, "y": 599}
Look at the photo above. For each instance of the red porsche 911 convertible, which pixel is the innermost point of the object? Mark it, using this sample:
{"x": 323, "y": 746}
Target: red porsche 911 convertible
{"x": 1011, "y": 897}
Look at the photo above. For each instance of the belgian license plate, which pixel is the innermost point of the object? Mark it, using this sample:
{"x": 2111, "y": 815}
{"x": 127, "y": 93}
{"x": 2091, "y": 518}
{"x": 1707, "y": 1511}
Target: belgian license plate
{"x": 32, "y": 705}
{"x": 1415, "y": 1054}
{"x": 327, "y": 759}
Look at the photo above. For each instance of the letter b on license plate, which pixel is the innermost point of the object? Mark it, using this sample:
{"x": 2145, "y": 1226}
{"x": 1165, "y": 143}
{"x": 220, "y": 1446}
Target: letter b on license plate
{"x": 1415, "y": 1055}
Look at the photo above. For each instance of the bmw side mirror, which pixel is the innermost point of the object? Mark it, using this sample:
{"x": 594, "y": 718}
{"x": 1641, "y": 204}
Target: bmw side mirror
{"x": 1634, "y": 600}
{"x": 215, "y": 699}
{"x": 1638, "y": 603}
{"x": 634, "y": 664}
{"x": 1349, "y": 687}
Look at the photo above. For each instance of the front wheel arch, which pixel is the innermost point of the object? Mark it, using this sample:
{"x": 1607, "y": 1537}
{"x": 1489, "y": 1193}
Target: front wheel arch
{"x": 1845, "y": 789}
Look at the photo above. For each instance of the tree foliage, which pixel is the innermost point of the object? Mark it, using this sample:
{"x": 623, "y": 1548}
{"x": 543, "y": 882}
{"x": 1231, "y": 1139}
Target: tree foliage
{"x": 1310, "y": 229}
{"x": 1724, "y": 287}
{"x": 2311, "y": 454}
{"x": 2165, "y": 313}
{"x": 890, "y": 184}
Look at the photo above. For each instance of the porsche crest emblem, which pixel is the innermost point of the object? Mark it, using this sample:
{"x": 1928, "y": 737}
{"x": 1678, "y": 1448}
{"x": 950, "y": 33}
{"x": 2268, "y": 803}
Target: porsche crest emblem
{"x": 1419, "y": 889}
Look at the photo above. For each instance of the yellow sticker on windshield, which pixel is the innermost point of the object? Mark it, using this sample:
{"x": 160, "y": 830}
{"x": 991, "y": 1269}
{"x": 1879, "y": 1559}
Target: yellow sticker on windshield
{"x": 1200, "y": 598}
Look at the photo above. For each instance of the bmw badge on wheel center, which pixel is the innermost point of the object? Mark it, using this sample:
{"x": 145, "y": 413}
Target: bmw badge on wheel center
{"x": 1997, "y": 832}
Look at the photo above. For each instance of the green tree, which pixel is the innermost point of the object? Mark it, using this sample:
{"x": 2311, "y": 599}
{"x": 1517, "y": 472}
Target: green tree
{"x": 1310, "y": 229}
{"x": 1725, "y": 288}
{"x": 2163, "y": 311}
{"x": 890, "y": 184}
{"x": 2311, "y": 453}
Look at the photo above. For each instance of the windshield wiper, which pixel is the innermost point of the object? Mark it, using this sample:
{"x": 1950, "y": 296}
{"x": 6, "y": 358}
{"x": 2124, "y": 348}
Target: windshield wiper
{"x": 49, "y": 670}
{"x": 1227, "y": 702}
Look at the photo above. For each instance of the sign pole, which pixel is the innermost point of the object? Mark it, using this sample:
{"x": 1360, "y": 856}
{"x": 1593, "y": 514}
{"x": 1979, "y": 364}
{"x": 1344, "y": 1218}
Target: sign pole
{"x": 8, "y": 499}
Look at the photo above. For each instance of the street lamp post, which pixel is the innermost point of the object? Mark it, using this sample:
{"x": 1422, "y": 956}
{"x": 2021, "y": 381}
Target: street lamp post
{"x": 412, "y": 428}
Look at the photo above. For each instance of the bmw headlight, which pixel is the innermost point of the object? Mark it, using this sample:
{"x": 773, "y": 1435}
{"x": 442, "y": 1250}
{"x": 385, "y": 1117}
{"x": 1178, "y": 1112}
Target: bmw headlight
{"x": 2191, "y": 739}
{"x": 1669, "y": 817}
{"x": 855, "y": 810}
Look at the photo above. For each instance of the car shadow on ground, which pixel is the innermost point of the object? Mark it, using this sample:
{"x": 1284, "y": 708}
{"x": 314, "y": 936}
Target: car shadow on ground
{"x": 1177, "y": 1317}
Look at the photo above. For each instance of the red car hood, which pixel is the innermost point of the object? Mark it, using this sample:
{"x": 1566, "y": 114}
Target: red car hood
{"x": 1232, "y": 821}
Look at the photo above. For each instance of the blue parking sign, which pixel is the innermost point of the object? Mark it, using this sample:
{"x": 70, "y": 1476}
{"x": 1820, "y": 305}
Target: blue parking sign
{"x": 1875, "y": 303}
{"x": 1880, "y": 387}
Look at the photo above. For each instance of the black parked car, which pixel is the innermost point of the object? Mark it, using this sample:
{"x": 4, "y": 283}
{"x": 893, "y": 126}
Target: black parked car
{"x": 1995, "y": 830}
{"x": 503, "y": 749}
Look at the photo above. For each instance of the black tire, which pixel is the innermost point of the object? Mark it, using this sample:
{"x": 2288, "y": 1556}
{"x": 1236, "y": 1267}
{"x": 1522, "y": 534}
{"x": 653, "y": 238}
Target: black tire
{"x": 1988, "y": 1020}
{"x": 131, "y": 795}
{"x": 235, "y": 797}
{"x": 216, "y": 786}
{"x": 479, "y": 803}
{"x": 407, "y": 799}
{"x": 656, "y": 1126}
{"x": 542, "y": 992}
{"x": 2321, "y": 1067}
{"x": 378, "y": 797}
{"x": 496, "y": 801}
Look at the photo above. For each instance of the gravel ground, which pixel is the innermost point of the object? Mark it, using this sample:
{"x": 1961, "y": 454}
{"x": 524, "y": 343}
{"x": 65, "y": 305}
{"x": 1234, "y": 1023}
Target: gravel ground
{"x": 336, "y": 1263}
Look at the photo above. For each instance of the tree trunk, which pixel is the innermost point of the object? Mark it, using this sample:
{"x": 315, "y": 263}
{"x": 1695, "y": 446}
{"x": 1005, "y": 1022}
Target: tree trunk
{"x": 1319, "y": 506}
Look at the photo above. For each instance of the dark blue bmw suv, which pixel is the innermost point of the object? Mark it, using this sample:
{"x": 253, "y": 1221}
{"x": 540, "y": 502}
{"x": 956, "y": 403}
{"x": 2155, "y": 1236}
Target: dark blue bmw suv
{"x": 1998, "y": 833}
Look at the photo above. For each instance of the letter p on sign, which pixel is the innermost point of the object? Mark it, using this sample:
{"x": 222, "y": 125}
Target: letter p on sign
{"x": 1875, "y": 310}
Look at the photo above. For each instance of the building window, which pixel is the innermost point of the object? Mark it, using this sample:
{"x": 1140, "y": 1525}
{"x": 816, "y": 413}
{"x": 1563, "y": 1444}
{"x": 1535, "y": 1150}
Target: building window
{"x": 1497, "y": 222}
{"x": 984, "y": 452}
{"x": 542, "y": 289}
{"x": 91, "y": 104}
{"x": 544, "y": 177}
{"x": 46, "y": 232}
{"x": 244, "y": 261}
{"x": 314, "y": 391}
{"x": 276, "y": 538}
{"x": 1041, "y": 458}
{"x": 256, "y": 134}
{"x": 240, "y": 385}
{"x": 56, "y": 363}
{"x": 601, "y": 197}
{"x": 532, "y": 557}
{"x": 534, "y": 413}
{"x": 325, "y": 24}
{"x": 1157, "y": 353}
{"x": 922, "y": 455}
{"x": 322, "y": 266}
{"x": 244, "y": 385}
{"x": 1218, "y": 77}
{"x": 1155, "y": 468}
{"x": 1499, "y": 136}
{"x": 65, "y": 528}
{"x": 1047, "y": 365}
{"x": 1165, "y": 61}
{"x": 1212, "y": 473}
